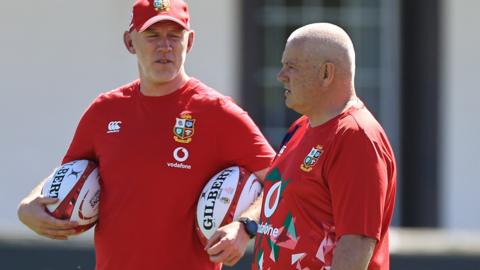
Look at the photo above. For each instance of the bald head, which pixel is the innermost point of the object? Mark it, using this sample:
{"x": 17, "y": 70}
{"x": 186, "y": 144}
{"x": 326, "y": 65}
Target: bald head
{"x": 326, "y": 42}
{"x": 318, "y": 70}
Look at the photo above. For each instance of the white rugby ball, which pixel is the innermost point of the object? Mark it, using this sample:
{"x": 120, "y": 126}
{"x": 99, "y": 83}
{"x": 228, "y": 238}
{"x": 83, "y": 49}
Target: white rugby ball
{"x": 225, "y": 196}
{"x": 76, "y": 185}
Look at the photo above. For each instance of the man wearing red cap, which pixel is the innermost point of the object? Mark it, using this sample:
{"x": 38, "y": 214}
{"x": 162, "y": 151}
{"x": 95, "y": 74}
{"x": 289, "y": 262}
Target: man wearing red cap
{"x": 171, "y": 134}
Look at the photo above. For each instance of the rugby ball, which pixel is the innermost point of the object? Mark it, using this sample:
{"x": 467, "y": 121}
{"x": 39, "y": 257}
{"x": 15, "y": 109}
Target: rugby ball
{"x": 225, "y": 196}
{"x": 76, "y": 185}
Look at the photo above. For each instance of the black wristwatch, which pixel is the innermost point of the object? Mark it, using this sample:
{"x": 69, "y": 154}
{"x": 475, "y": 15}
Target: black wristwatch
{"x": 250, "y": 226}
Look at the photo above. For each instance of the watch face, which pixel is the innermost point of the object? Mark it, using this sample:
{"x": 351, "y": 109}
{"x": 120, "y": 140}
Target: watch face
{"x": 251, "y": 227}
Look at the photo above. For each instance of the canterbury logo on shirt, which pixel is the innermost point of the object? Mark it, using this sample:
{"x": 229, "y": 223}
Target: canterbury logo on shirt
{"x": 114, "y": 126}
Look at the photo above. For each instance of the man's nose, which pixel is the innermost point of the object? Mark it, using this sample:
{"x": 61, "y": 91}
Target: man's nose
{"x": 164, "y": 44}
{"x": 281, "y": 76}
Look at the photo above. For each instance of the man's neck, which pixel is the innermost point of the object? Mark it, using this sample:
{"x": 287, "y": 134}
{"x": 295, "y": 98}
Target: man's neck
{"x": 317, "y": 119}
{"x": 154, "y": 89}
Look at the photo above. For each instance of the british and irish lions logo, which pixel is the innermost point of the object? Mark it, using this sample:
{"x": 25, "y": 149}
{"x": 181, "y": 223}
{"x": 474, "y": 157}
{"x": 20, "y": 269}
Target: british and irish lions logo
{"x": 312, "y": 158}
{"x": 184, "y": 129}
{"x": 162, "y": 5}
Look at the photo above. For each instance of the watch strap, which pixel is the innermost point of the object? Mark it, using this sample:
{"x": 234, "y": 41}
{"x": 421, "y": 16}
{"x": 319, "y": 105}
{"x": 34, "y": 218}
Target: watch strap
{"x": 247, "y": 225}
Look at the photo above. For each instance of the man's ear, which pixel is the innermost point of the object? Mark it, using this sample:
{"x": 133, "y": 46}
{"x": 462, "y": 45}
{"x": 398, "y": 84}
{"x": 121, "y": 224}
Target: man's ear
{"x": 191, "y": 39}
{"x": 327, "y": 73}
{"x": 127, "y": 40}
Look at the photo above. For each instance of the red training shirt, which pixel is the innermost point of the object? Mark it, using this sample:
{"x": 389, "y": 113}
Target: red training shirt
{"x": 155, "y": 154}
{"x": 331, "y": 180}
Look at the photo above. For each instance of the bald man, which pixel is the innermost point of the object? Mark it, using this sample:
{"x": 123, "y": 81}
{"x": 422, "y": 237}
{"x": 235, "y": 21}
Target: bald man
{"x": 329, "y": 195}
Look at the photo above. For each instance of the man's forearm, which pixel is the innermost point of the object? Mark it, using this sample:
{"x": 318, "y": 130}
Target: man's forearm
{"x": 254, "y": 210}
{"x": 353, "y": 252}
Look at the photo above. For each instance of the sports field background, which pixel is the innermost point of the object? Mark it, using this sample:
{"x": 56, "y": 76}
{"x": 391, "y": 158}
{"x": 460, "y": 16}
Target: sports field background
{"x": 411, "y": 250}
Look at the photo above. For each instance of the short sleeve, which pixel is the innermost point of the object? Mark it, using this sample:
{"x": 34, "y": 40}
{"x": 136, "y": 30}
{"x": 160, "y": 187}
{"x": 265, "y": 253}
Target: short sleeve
{"x": 82, "y": 144}
{"x": 239, "y": 140}
{"x": 358, "y": 181}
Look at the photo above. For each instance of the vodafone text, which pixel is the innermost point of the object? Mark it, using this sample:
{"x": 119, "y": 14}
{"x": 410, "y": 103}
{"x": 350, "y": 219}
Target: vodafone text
{"x": 267, "y": 229}
{"x": 212, "y": 196}
{"x": 179, "y": 165}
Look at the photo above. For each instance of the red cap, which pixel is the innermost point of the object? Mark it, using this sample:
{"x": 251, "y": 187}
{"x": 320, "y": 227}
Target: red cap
{"x": 147, "y": 12}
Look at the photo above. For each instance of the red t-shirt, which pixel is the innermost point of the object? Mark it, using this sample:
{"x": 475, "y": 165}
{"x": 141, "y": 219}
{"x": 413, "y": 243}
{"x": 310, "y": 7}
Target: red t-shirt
{"x": 331, "y": 180}
{"x": 155, "y": 154}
